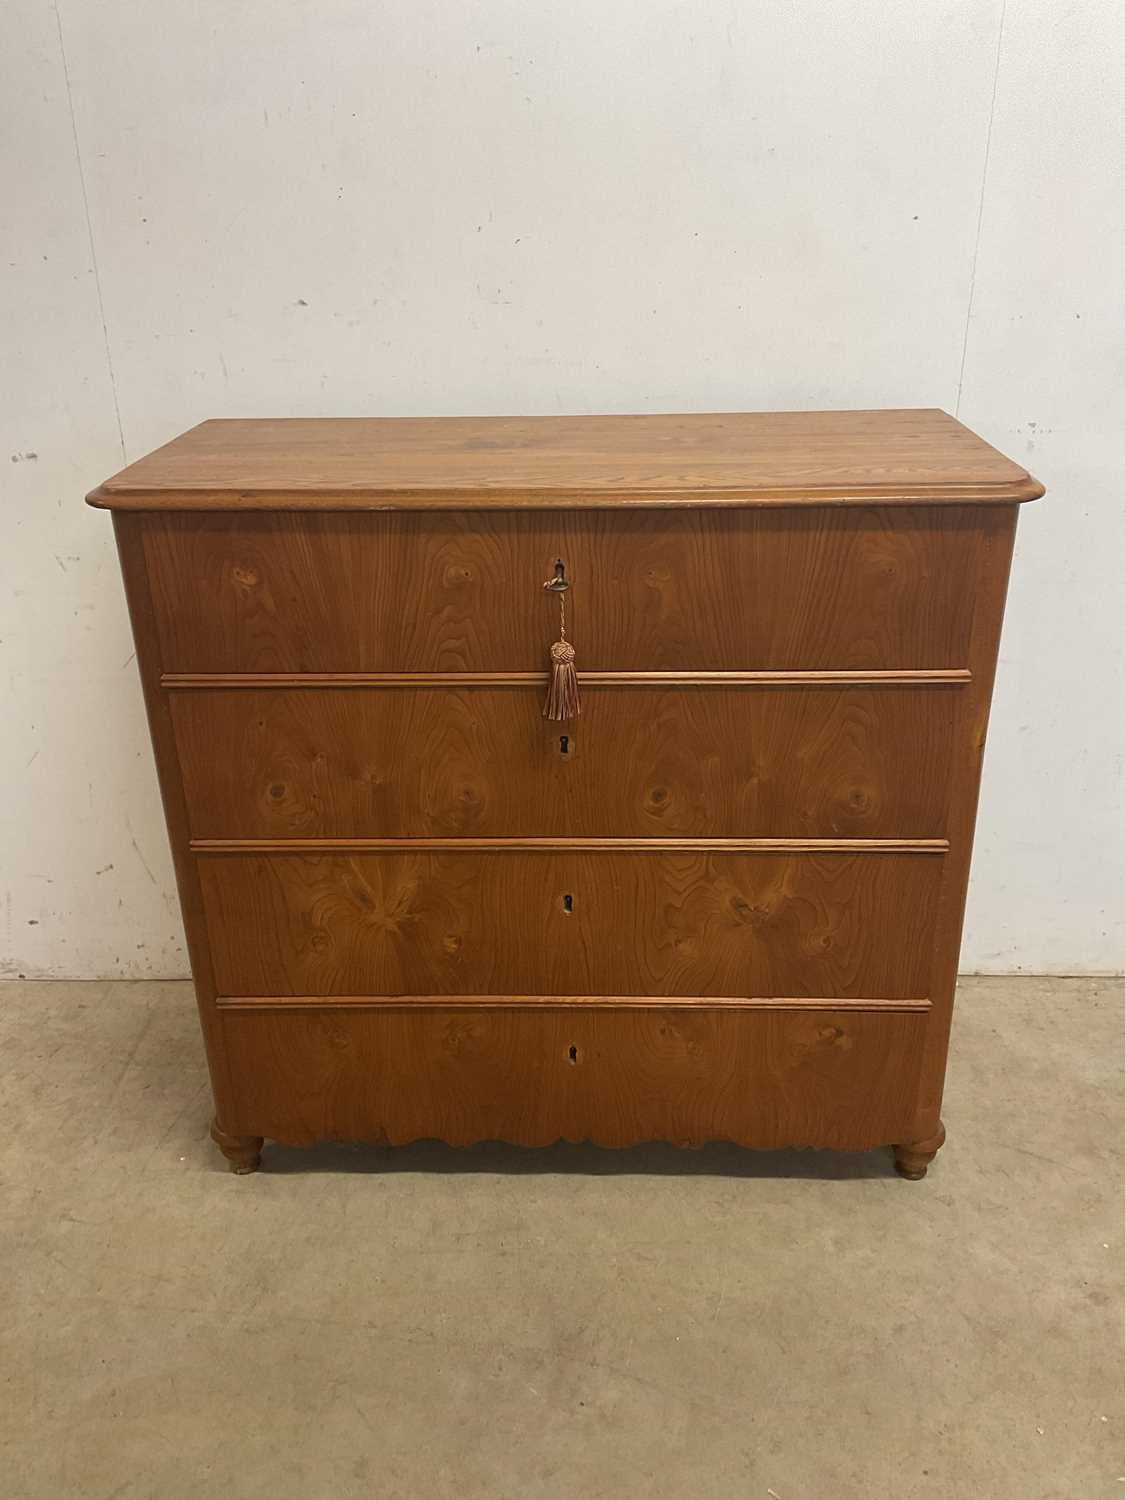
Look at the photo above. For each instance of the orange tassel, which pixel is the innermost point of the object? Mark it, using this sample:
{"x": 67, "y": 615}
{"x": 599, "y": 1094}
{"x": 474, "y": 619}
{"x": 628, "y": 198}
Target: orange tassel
{"x": 562, "y": 694}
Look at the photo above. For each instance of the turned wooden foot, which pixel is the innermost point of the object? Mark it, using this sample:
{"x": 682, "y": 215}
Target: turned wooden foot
{"x": 913, "y": 1157}
{"x": 244, "y": 1152}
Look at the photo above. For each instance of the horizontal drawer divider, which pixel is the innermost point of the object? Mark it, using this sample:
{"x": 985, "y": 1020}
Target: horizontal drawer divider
{"x": 574, "y": 845}
{"x": 537, "y": 1002}
{"x": 952, "y": 677}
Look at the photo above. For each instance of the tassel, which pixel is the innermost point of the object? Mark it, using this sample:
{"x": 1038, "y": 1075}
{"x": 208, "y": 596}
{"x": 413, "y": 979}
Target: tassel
{"x": 562, "y": 694}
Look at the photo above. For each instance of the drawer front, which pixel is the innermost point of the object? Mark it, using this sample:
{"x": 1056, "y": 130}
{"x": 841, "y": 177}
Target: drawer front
{"x": 811, "y": 762}
{"x": 848, "y": 589}
{"x": 852, "y": 925}
{"x": 615, "y": 1077}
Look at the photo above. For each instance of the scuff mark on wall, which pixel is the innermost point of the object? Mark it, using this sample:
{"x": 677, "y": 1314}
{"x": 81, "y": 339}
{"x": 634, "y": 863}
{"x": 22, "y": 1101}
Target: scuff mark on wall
{"x": 143, "y": 861}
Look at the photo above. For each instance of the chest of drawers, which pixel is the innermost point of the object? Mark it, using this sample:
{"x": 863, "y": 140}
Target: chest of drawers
{"x": 723, "y": 902}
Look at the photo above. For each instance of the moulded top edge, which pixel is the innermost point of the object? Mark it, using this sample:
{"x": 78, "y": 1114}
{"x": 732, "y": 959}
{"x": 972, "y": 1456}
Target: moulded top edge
{"x": 913, "y": 457}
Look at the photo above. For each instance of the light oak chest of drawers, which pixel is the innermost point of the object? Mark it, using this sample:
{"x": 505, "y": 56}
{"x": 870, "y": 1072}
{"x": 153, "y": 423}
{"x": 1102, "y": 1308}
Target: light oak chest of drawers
{"x": 724, "y": 902}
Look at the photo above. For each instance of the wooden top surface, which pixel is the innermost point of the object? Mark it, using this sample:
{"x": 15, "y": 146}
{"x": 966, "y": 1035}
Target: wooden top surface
{"x": 419, "y": 463}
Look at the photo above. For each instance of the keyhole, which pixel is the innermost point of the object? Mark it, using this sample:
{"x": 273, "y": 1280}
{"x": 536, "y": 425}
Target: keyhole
{"x": 572, "y": 1055}
{"x": 564, "y": 744}
{"x": 568, "y": 904}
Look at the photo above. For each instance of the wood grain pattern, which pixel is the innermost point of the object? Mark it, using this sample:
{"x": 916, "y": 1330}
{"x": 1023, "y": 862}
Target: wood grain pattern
{"x": 828, "y": 1078}
{"x": 483, "y": 761}
{"x": 673, "y": 924}
{"x": 657, "y": 591}
{"x": 697, "y": 459}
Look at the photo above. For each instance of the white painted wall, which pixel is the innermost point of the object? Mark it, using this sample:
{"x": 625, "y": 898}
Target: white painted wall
{"x": 410, "y": 206}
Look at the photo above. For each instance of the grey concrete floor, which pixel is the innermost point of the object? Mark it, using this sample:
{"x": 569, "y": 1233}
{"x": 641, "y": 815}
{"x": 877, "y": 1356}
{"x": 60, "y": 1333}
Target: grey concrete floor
{"x": 563, "y": 1323}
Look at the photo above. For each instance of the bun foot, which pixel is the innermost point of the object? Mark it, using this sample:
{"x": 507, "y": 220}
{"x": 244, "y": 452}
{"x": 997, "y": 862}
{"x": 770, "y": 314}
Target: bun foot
{"x": 913, "y": 1157}
{"x": 243, "y": 1152}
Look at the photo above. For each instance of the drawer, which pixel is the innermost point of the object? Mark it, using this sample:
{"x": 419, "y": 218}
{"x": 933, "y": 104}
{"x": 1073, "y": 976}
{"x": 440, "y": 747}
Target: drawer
{"x": 850, "y": 925}
{"x": 347, "y": 763}
{"x": 612, "y": 1076}
{"x": 704, "y": 590}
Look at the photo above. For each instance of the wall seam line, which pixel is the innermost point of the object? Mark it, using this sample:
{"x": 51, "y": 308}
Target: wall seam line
{"x": 90, "y": 234}
{"x": 980, "y": 208}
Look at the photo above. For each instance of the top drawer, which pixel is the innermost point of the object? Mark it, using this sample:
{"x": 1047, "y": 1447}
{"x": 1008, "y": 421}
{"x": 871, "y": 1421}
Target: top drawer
{"x": 706, "y": 590}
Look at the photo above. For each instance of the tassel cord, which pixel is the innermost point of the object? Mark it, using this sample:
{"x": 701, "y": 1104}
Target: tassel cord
{"x": 562, "y": 701}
